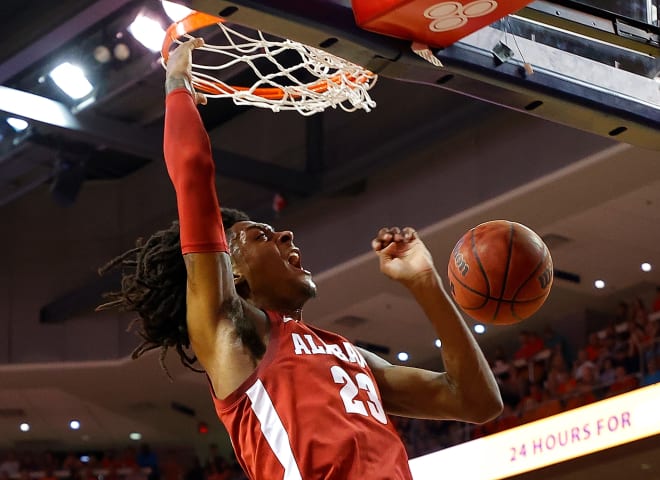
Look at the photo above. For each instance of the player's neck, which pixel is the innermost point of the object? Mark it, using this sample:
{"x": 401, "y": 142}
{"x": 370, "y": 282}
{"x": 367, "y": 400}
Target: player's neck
{"x": 287, "y": 310}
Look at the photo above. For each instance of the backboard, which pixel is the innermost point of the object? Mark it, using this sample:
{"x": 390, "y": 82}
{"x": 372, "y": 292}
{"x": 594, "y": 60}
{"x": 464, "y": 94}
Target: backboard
{"x": 565, "y": 61}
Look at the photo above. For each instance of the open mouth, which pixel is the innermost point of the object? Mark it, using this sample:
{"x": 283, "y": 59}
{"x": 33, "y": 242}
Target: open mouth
{"x": 294, "y": 260}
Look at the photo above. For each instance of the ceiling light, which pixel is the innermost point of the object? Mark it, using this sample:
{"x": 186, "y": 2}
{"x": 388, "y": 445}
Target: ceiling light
{"x": 102, "y": 54}
{"x": 74, "y": 424}
{"x": 18, "y": 124}
{"x": 403, "y": 356}
{"x": 135, "y": 436}
{"x": 646, "y": 267}
{"x": 599, "y": 284}
{"x": 72, "y": 80}
{"x": 148, "y": 32}
{"x": 25, "y": 427}
{"x": 438, "y": 343}
{"x": 175, "y": 11}
{"x": 121, "y": 52}
{"x": 479, "y": 328}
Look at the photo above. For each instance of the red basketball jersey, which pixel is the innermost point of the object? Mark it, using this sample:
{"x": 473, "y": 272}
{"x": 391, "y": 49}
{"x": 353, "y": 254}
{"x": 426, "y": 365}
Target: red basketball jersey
{"x": 312, "y": 411}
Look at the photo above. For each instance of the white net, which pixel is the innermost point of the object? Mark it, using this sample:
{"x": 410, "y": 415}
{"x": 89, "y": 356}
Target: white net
{"x": 289, "y": 75}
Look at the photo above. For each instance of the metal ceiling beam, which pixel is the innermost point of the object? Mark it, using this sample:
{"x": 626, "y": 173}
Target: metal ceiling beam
{"x": 53, "y": 117}
{"x": 594, "y": 23}
{"x": 63, "y": 33}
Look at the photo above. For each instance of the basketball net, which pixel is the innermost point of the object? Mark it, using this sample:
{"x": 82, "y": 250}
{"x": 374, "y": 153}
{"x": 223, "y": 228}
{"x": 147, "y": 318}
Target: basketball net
{"x": 335, "y": 82}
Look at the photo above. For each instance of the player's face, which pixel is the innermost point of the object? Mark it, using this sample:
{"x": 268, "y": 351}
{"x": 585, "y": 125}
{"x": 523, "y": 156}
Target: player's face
{"x": 270, "y": 264}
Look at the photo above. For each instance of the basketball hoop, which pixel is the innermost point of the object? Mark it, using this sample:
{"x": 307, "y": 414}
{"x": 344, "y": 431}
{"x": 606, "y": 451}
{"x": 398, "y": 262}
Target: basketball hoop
{"x": 335, "y": 82}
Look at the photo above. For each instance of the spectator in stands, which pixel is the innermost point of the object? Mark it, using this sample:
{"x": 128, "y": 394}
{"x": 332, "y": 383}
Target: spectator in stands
{"x": 170, "y": 468}
{"x": 652, "y": 374}
{"x": 559, "y": 380}
{"x": 134, "y": 473}
{"x": 651, "y": 345}
{"x": 112, "y": 473}
{"x": 49, "y": 474}
{"x": 640, "y": 314}
{"x": 507, "y": 419}
{"x": 656, "y": 301}
{"x": 500, "y": 361}
{"x": 217, "y": 470}
{"x": 87, "y": 473}
{"x": 556, "y": 342}
{"x": 530, "y": 345}
{"x": 10, "y": 464}
{"x": 549, "y": 406}
{"x": 530, "y": 402}
{"x": 49, "y": 461}
{"x": 636, "y": 342}
{"x": 594, "y": 348}
{"x": 539, "y": 372}
{"x": 128, "y": 458}
{"x": 623, "y": 382}
{"x": 71, "y": 462}
{"x": 146, "y": 458}
{"x": 214, "y": 456}
{"x": 607, "y": 373}
{"x": 584, "y": 388}
{"x": 582, "y": 363}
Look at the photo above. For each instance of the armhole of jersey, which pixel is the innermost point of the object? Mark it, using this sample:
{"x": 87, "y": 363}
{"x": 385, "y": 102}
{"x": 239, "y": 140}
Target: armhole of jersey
{"x": 271, "y": 350}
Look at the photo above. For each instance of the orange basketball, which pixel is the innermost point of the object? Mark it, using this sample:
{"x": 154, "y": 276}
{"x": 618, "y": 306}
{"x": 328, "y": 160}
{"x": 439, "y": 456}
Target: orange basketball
{"x": 500, "y": 272}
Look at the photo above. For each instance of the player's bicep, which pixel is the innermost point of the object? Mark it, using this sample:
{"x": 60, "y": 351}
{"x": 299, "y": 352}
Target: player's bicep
{"x": 414, "y": 392}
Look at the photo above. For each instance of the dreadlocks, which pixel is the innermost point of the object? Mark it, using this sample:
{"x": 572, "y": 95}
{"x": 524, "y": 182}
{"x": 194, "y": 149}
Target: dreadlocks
{"x": 154, "y": 286}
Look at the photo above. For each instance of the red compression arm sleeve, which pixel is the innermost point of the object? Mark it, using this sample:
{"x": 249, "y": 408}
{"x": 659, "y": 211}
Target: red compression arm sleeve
{"x": 190, "y": 165}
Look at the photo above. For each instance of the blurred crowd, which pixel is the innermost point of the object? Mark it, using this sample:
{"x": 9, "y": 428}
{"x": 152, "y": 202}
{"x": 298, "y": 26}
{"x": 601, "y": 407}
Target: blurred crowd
{"x": 544, "y": 376}
{"x": 130, "y": 464}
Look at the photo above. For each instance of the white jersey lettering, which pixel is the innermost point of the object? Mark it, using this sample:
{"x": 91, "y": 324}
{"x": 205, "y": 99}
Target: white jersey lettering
{"x": 299, "y": 345}
{"x": 354, "y": 356}
{"x": 315, "y": 348}
{"x": 310, "y": 345}
{"x": 336, "y": 351}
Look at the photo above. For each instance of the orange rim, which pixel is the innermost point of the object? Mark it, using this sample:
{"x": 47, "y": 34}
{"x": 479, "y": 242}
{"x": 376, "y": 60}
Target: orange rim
{"x": 197, "y": 20}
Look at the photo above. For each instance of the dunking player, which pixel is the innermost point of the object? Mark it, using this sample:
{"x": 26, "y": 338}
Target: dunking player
{"x": 297, "y": 401}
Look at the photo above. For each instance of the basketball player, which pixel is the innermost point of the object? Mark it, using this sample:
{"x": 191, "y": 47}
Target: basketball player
{"x": 298, "y": 402}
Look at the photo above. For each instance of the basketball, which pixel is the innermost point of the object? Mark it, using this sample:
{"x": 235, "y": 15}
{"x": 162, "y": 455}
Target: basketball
{"x": 500, "y": 272}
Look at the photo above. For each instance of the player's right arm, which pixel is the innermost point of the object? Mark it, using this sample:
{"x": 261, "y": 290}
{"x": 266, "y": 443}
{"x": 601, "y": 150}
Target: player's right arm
{"x": 212, "y": 305}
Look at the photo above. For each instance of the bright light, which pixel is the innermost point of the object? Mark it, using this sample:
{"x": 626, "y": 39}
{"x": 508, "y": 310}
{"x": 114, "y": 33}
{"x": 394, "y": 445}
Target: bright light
{"x": 549, "y": 441}
{"x": 438, "y": 343}
{"x": 102, "y": 54}
{"x": 599, "y": 284}
{"x": 646, "y": 267}
{"x": 74, "y": 424}
{"x": 135, "y": 436}
{"x": 403, "y": 356}
{"x": 84, "y": 458}
{"x": 148, "y": 32}
{"x": 72, "y": 80}
{"x": 18, "y": 124}
{"x": 479, "y": 328}
{"x": 25, "y": 427}
{"x": 175, "y": 11}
